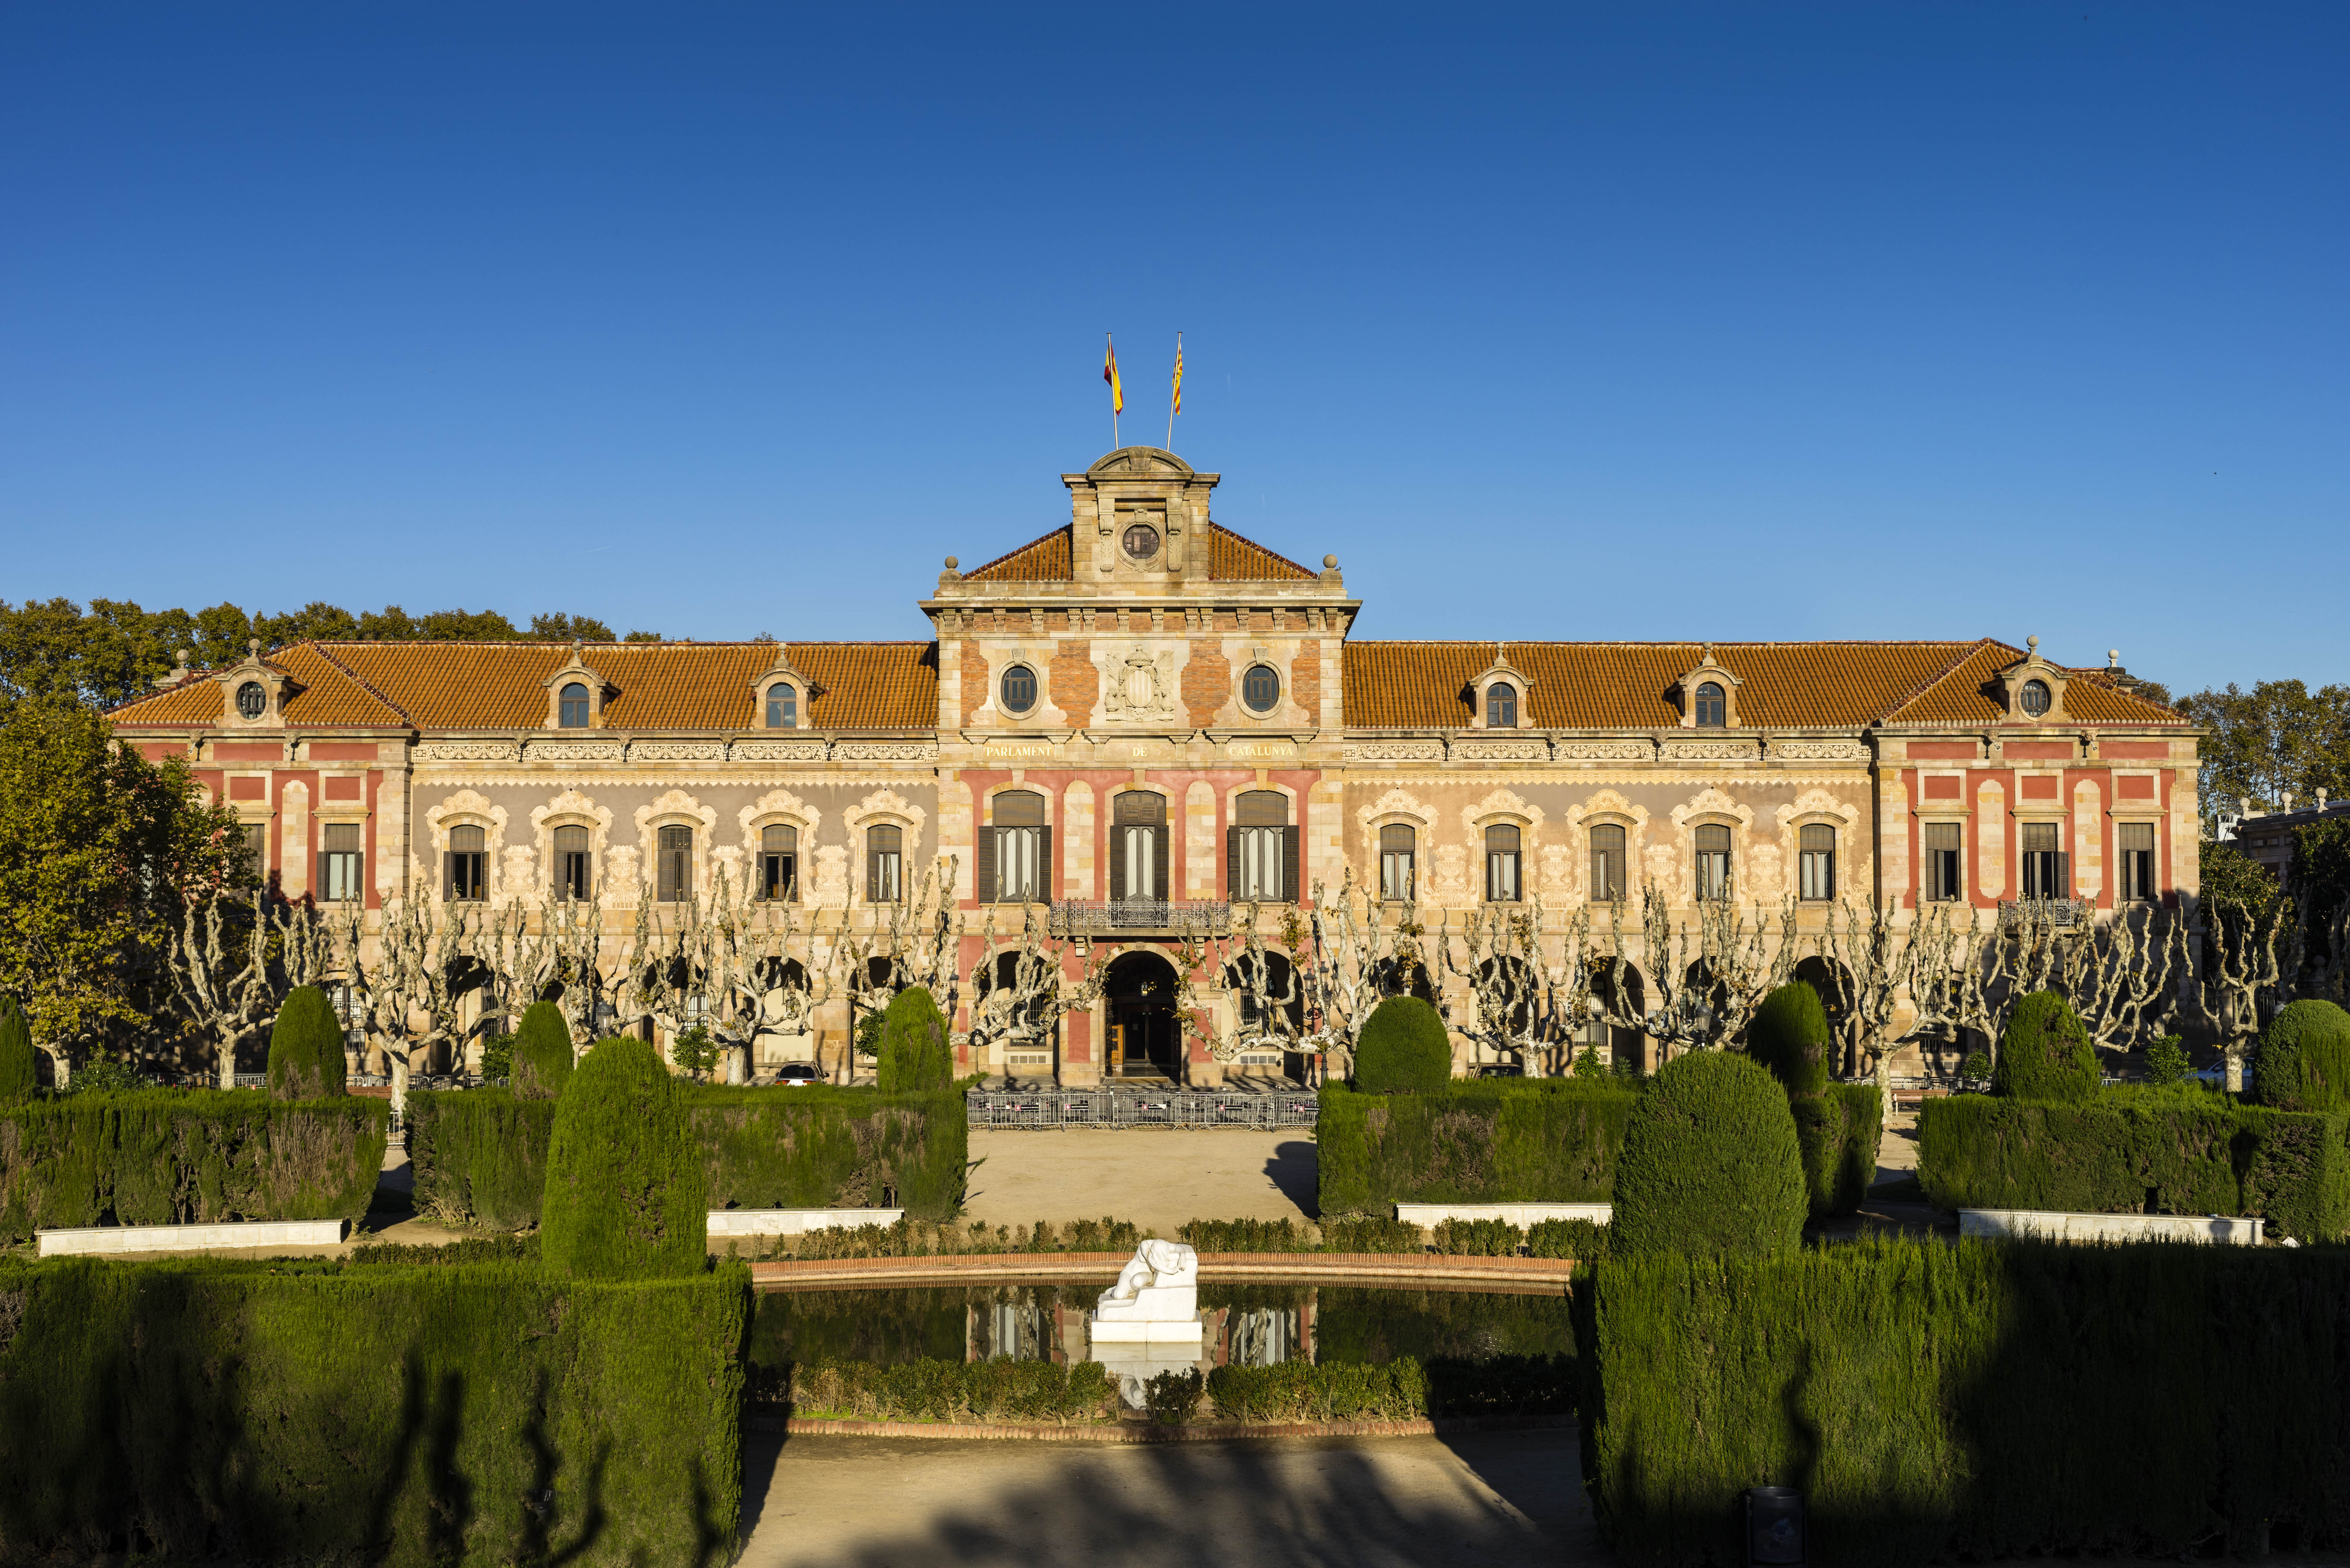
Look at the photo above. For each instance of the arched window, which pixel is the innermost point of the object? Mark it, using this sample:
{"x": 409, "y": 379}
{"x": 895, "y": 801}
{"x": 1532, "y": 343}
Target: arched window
{"x": 1395, "y": 863}
{"x": 1711, "y": 711}
{"x": 673, "y": 857}
{"x": 573, "y": 878}
{"x": 1500, "y": 706}
{"x": 574, "y": 714}
{"x": 1019, "y": 689}
{"x": 885, "y": 864}
{"x": 1606, "y": 863}
{"x": 1261, "y": 849}
{"x": 779, "y": 862}
{"x": 468, "y": 864}
{"x": 782, "y": 706}
{"x": 1014, "y": 867}
{"x": 1816, "y": 848}
{"x": 1712, "y": 861}
{"x": 1260, "y": 688}
{"x": 1501, "y": 864}
{"x": 2035, "y": 698}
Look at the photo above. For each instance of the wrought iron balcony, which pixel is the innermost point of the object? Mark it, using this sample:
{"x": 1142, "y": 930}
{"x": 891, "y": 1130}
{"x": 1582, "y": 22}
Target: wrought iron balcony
{"x": 2057, "y": 913}
{"x": 1181, "y": 917}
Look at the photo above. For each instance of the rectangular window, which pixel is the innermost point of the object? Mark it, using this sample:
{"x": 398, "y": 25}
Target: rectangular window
{"x": 779, "y": 863}
{"x": 339, "y": 871}
{"x": 1606, "y": 863}
{"x": 1712, "y": 861}
{"x": 2043, "y": 861}
{"x": 1139, "y": 850}
{"x": 1817, "y": 849}
{"x": 885, "y": 864}
{"x": 1019, "y": 865}
{"x": 1395, "y": 863}
{"x": 674, "y": 852}
{"x": 1261, "y": 849}
{"x": 1263, "y": 855}
{"x": 1943, "y": 883}
{"x": 573, "y": 878}
{"x": 2136, "y": 840}
{"x": 257, "y": 849}
{"x": 468, "y": 865}
{"x": 1501, "y": 864}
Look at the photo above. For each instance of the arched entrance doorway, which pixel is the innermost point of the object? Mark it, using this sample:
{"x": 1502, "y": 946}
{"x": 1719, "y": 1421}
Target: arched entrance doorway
{"x": 1145, "y": 1039}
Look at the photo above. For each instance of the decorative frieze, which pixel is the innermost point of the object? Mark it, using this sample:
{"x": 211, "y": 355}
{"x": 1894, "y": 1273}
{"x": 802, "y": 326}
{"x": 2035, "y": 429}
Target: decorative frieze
{"x": 465, "y": 750}
{"x": 1711, "y": 750}
{"x": 1395, "y": 752}
{"x": 886, "y": 751}
{"x": 539, "y": 751}
{"x": 777, "y": 750}
{"x": 1604, "y": 750}
{"x": 1526, "y": 749}
{"x": 677, "y": 750}
{"x": 1820, "y": 751}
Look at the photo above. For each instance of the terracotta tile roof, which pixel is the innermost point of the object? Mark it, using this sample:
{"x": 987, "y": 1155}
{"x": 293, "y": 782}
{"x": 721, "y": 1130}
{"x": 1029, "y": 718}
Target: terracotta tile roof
{"x": 1233, "y": 559}
{"x": 654, "y": 685}
{"x": 1628, "y": 685}
{"x": 1045, "y": 560}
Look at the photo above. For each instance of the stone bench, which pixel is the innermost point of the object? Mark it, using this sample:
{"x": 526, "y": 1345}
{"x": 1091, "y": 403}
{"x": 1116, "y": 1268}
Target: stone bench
{"x": 1525, "y": 1216}
{"x": 193, "y": 1238}
{"x": 2054, "y": 1225}
{"x": 796, "y": 1221}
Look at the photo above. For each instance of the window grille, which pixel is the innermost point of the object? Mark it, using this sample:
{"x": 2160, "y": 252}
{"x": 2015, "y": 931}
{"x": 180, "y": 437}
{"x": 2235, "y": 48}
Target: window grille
{"x": 1712, "y": 861}
{"x": 2036, "y": 698}
{"x": 1395, "y": 863}
{"x": 1816, "y": 846}
{"x": 1501, "y": 864}
{"x": 1712, "y": 712}
{"x": 674, "y": 850}
{"x": 779, "y": 862}
{"x": 885, "y": 860}
{"x": 1943, "y": 873}
{"x": 340, "y": 857}
{"x": 574, "y": 714}
{"x": 1260, "y": 688}
{"x": 1500, "y": 706}
{"x": 1019, "y": 689}
{"x": 468, "y": 864}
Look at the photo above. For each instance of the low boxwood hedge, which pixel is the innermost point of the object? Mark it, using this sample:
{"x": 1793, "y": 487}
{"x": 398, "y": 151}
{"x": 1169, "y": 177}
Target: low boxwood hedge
{"x": 1529, "y": 1140}
{"x": 202, "y": 1411}
{"x": 1938, "y": 1403}
{"x": 2167, "y": 1152}
{"x": 163, "y": 1157}
{"x": 480, "y": 1155}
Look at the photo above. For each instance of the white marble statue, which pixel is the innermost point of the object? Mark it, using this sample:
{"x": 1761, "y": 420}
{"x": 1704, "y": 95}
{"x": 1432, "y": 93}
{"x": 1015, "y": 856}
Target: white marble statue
{"x": 1160, "y": 1284}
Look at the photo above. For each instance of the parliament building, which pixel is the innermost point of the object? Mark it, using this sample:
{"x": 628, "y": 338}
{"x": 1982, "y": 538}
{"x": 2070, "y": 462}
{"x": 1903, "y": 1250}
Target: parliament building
{"x": 1142, "y": 718}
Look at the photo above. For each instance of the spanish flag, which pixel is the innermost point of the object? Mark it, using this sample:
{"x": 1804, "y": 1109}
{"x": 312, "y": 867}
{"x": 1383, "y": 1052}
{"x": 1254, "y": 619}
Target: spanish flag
{"x": 1109, "y": 374}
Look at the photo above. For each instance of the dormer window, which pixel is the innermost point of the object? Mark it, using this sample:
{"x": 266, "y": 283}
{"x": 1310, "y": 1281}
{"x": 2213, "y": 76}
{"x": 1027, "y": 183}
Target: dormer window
{"x": 2034, "y": 700}
{"x": 252, "y": 700}
{"x": 574, "y": 715}
{"x": 1500, "y": 706}
{"x": 1712, "y": 711}
{"x": 782, "y": 706}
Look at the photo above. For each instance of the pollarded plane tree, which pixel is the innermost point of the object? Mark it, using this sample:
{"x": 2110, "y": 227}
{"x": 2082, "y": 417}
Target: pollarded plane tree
{"x": 1710, "y": 972}
{"x": 1268, "y": 988}
{"x": 2247, "y": 972}
{"x": 1353, "y": 957}
{"x": 232, "y": 963}
{"x": 776, "y": 978}
{"x": 422, "y": 991}
{"x": 910, "y": 942}
{"x": 1514, "y": 996}
{"x": 2123, "y": 976}
{"x": 1020, "y": 994}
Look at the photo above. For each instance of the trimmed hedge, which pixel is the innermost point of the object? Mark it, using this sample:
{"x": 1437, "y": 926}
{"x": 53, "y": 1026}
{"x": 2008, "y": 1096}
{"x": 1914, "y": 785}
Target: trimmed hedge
{"x": 1404, "y": 1390}
{"x": 915, "y": 1055}
{"x": 18, "y": 1075}
{"x": 543, "y": 1057}
{"x": 1402, "y": 1048}
{"x": 1538, "y": 1141}
{"x": 163, "y": 1157}
{"x": 305, "y": 1047}
{"x": 1789, "y": 1035}
{"x": 1712, "y": 1162}
{"x": 1972, "y": 1402}
{"x": 624, "y": 1189}
{"x": 199, "y": 1410}
{"x": 1578, "y": 1241}
{"x": 942, "y": 1390}
{"x": 2123, "y": 1153}
{"x": 480, "y": 1155}
{"x": 2301, "y": 1062}
{"x": 1839, "y": 1131}
{"x": 2045, "y": 1053}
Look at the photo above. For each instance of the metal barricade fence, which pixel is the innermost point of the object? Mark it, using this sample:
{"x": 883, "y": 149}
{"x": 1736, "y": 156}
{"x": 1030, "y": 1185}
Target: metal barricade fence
{"x": 1130, "y": 1109}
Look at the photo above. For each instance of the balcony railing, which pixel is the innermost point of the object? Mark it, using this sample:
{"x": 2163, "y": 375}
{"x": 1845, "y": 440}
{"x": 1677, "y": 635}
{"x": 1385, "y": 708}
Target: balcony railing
{"x": 2058, "y": 912}
{"x": 1185, "y": 918}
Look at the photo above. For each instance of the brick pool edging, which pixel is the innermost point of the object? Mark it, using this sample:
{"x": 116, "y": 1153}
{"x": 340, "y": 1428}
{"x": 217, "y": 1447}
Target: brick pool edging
{"x": 1301, "y": 1268}
{"x": 1143, "y": 1432}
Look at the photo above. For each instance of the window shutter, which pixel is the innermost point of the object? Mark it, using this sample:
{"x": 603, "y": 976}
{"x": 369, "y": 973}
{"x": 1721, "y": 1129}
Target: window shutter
{"x": 1289, "y": 866}
{"x": 990, "y": 846}
{"x": 449, "y": 874}
{"x": 2063, "y": 888}
{"x": 1231, "y": 865}
{"x": 1116, "y": 862}
{"x": 1158, "y": 861}
{"x": 1043, "y": 865}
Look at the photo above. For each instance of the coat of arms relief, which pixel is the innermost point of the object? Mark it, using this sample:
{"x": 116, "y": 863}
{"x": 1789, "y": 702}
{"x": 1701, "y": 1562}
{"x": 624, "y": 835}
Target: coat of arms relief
{"x": 1140, "y": 688}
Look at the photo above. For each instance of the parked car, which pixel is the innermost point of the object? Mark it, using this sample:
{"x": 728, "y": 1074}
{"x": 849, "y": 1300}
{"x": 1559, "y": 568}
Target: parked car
{"x": 2216, "y": 1075}
{"x": 798, "y": 1076}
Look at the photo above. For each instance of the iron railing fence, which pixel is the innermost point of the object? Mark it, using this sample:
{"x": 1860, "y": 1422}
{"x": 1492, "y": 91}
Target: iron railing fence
{"x": 1129, "y": 1109}
{"x": 1187, "y": 918}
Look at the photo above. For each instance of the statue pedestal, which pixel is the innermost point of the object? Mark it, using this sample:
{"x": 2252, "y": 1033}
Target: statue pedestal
{"x": 1152, "y": 1303}
{"x": 1161, "y": 1332}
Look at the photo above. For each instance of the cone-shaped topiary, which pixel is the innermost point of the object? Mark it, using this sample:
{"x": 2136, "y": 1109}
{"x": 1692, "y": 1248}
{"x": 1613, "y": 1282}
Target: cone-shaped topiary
{"x": 1402, "y": 1047}
{"x": 1789, "y": 1036}
{"x": 542, "y": 1054}
{"x": 624, "y": 1195}
{"x": 1710, "y": 1163}
{"x": 305, "y": 1047}
{"x": 2301, "y": 1061}
{"x": 17, "y": 1075}
{"x": 915, "y": 1055}
{"x": 2045, "y": 1053}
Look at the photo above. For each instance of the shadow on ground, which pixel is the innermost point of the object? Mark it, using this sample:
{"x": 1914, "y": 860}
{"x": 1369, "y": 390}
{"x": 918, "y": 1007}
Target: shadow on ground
{"x": 1295, "y": 1169}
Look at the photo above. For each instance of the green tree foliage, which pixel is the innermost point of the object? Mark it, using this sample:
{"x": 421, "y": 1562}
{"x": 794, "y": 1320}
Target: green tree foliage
{"x": 97, "y": 846}
{"x": 624, "y": 1196}
{"x": 1402, "y": 1047}
{"x": 2231, "y": 876}
{"x": 2278, "y": 738}
{"x": 17, "y": 1076}
{"x": 915, "y": 1051}
{"x": 1711, "y": 1162}
{"x": 2301, "y": 1061}
{"x": 1789, "y": 1035}
{"x": 694, "y": 1053}
{"x": 542, "y": 1054}
{"x": 305, "y": 1047}
{"x": 2045, "y": 1053}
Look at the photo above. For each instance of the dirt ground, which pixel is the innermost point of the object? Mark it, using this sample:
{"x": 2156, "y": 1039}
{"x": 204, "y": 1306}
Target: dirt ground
{"x": 1156, "y": 1177}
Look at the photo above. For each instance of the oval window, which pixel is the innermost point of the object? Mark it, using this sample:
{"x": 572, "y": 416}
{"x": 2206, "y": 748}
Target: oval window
{"x": 1142, "y": 540}
{"x": 2035, "y": 698}
{"x": 252, "y": 701}
{"x": 1019, "y": 689}
{"x": 1260, "y": 688}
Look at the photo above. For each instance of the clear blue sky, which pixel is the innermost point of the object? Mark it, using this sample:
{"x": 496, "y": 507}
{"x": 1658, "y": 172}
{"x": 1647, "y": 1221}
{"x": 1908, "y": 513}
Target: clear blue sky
{"x": 1613, "y": 321}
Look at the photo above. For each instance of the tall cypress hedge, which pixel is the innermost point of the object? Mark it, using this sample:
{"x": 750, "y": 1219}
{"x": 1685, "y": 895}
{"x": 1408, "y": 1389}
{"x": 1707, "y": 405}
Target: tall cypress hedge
{"x": 2301, "y": 1062}
{"x": 624, "y": 1187}
{"x": 199, "y": 1410}
{"x": 1402, "y": 1048}
{"x": 18, "y": 1075}
{"x": 1789, "y": 1035}
{"x": 305, "y": 1047}
{"x": 165, "y": 1156}
{"x": 1533, "y": 1140}
{"x": 1839, "y": 1132}
{"x": 2045, "y": 1053}
{"x": 543, "y": 1057}
{"x": 915, "y": 1053}
{"x": 1974, "y": 1402}
{"x": 1711, "y": 1162}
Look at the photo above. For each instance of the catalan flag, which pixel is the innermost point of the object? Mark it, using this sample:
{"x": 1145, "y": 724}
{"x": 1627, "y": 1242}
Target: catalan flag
{"x": 1109, "y": 374}
{"x": 1177, "y": 406}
